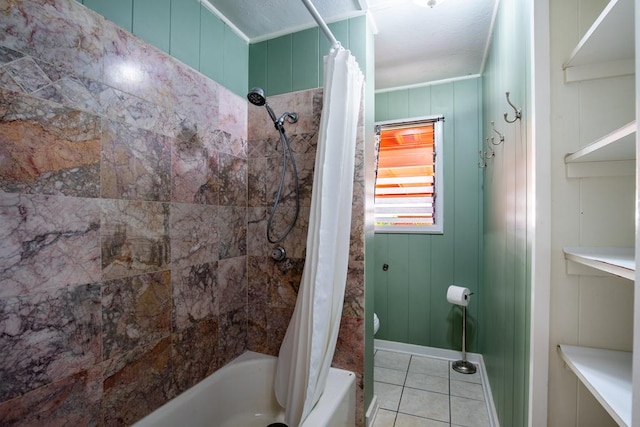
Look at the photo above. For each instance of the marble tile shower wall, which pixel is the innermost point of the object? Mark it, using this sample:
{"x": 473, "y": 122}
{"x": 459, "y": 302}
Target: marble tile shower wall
{"x": 123, "y": 213}
{"x": 273, "y": 285}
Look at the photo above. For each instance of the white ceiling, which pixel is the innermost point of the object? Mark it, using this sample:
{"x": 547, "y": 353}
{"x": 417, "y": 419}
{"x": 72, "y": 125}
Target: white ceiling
{"x": 413, "y": 44}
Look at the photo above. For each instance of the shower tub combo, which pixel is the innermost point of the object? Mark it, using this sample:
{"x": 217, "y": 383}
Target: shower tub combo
{"x": 241, "y": 394}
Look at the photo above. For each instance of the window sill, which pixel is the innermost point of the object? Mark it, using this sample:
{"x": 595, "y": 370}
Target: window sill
{"x": 408, "y": 230}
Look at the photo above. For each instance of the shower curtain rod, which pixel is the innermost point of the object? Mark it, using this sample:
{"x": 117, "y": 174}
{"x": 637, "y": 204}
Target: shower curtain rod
{"x": 323, "y": 26}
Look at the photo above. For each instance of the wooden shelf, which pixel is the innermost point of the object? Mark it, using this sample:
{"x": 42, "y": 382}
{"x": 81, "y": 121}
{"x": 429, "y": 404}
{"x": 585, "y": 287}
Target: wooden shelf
{"x": 618, "y": 145}
{"x": 607, "y": 49}
{"x": 618, "y": 261}
{"x": 606, "y": 374}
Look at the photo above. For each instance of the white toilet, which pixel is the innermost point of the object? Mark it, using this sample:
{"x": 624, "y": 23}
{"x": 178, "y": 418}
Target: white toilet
{"x": 376, "y": 323}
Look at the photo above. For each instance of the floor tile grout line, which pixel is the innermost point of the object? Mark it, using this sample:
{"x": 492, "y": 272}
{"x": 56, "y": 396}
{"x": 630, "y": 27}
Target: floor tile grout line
{"x": 450, "y": 379}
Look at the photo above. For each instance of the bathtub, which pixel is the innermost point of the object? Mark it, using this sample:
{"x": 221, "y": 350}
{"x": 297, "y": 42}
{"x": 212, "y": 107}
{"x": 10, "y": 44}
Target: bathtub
{"x": 241, "y": 394}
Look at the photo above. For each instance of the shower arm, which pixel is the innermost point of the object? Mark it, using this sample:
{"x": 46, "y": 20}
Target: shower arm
{"x": 323, "y": 26}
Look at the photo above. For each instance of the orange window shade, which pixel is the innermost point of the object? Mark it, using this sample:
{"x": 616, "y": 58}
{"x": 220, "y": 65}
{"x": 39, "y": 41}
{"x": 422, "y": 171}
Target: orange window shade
{"x": 406, "y": 174}
{"x": 405, "y": 164}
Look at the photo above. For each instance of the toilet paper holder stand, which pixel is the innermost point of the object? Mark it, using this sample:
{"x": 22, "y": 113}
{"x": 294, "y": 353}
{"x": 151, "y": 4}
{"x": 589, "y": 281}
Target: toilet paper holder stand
{"x": 464, "y": 366}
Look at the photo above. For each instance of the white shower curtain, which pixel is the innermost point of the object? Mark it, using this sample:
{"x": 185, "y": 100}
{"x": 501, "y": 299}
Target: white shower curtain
{"x": 308, "y": 347}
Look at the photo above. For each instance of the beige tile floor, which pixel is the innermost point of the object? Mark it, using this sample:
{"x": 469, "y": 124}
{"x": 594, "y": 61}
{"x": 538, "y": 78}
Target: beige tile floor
{"x": 420, "y": 391}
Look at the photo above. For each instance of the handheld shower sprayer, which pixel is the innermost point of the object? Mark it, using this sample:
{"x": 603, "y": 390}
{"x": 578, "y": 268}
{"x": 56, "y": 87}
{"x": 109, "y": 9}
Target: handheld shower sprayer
{"x": 257, "y": 98}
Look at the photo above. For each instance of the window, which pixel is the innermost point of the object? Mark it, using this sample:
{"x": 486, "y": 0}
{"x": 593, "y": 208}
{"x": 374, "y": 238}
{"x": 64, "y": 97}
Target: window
{"x": 408, "y": 193}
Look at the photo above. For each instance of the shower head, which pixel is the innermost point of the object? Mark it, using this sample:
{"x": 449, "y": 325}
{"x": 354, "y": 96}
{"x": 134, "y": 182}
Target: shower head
{"x": 256, "y": 96}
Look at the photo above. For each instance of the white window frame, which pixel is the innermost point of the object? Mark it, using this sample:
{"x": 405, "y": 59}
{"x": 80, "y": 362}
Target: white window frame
{"x": 438, "y": 197}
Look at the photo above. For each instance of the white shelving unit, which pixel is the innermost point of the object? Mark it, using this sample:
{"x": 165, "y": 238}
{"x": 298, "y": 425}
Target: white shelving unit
{"x": 606, "y": 50}
{"x": 617, "y": 261}
{"x": 612, "y": 155}
{"x": 618, "y": 145}
{"x": 606, "y": 374}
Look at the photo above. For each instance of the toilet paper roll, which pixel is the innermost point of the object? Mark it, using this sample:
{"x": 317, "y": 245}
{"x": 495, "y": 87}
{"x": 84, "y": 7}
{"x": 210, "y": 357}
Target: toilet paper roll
{"x": 458, "y": 295}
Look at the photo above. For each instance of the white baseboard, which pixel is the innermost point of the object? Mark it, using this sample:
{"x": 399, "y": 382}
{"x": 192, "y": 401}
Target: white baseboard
{"x": 372, "y": 412}
{"x": 442, "y": 353}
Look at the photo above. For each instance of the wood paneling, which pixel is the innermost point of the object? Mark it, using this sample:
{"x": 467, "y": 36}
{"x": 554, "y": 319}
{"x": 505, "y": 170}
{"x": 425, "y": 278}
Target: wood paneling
{"x": 410, "y": 298}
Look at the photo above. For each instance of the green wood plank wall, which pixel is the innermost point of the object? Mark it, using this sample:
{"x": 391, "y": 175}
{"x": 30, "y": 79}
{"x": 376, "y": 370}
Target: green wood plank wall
{"x": 507, "y": 289}
{"x": 187, "y": 31}
{"x": 294, "y": 62}
{"x": 410, "y": 297}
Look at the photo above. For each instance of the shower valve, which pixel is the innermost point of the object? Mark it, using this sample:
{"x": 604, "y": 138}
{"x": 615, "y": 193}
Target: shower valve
{"x": 278, "y": 253}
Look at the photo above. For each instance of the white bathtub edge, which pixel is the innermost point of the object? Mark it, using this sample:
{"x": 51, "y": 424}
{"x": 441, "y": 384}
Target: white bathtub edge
{"x": 195, "y": 407}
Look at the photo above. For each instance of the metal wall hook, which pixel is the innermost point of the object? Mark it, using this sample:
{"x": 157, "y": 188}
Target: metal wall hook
{"x": 501, "y": 136}
{"x": 483, "y": 158}
{"x": 485, "y": 155}
{"x": 483, "y": 162}
{"x": 518, "y": 111}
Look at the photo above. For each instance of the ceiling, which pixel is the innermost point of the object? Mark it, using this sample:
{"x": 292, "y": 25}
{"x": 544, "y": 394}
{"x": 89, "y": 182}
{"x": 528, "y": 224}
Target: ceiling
{"x": 413, "y": 44}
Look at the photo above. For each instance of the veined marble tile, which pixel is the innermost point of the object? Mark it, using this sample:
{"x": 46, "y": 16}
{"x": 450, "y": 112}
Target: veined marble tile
{"x": 7, "y": 82}
{"x": 225, "y": 142}
{"x": 53, "y": 72}
{"x": 48, "y": 242}
{"x": 135, "y": 67}
{"x": 349, "y": 352}
{"x": 135, "y": 237}
{"x": 194, "y": 234}
{"x": 257, "y": 181}
{"x": 27, "y": 74}
{"x": 304, "y": 103}
{"x": 136, "y": 311}
{"x": 133, "y": 111}
{"x": 354, "y": 291}
{"x": 257, "y": 244}
{"x": 9, "y": 55}
{"x": 257, "y": 339}
{"x": 75, "y": 94}
{"x": 273, "y": 176}
{"x": 304, "y": 143}
{"x": 198, "y": 98}
{"x": 232, "y": 226}
{"x": 232, "y": 175}
{"x": 194, "y": 171}
{"x": 232, "y": 335}
{"x": 257, "y": 148}
{"x": 232, "y": 284}
{"x": 48, "y": 149}
{"x": 259, "y": 272}
{"x": 136, "y": 383}
{"x": 232, "y": 114}
{"x": 285, "y": 282}
{"x": 278, "y": 320}
{"x": 195, "y": 353}
{"x": 305, "y": 164}
{"x": 136, "y": 164}
{"x": 359, "y": 160}
{"x": 195, "y": 294}
{"x": 49, "y": 93}
{"x": 47, "y": 336}
{"x": 74, "y": 400}
{"x": 356, "y": 242}
{"x": 296, "y": 242}
{"x": 59, "y": 32}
